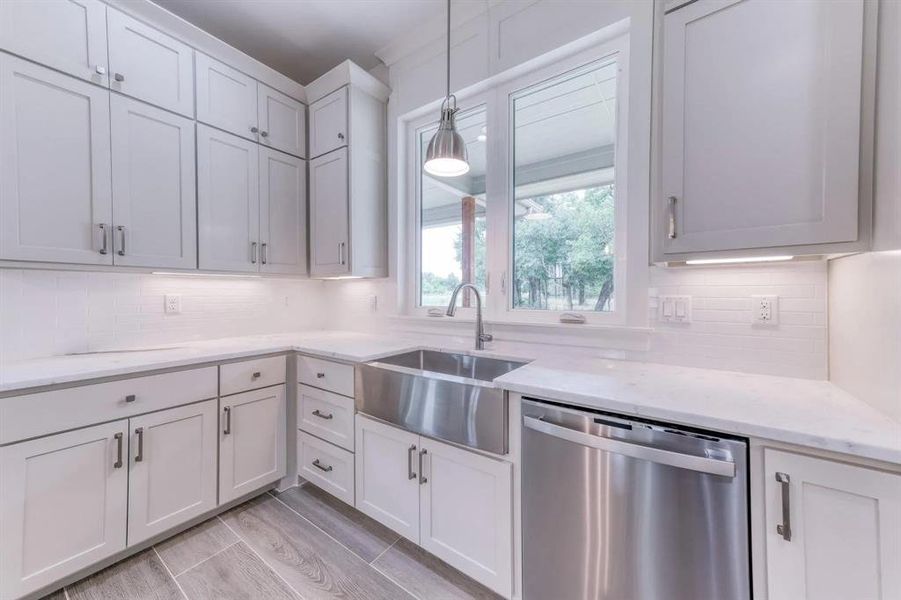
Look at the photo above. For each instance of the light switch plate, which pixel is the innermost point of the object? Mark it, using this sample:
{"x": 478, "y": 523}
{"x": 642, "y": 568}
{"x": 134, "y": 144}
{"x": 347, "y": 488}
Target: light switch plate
{"x": 173, "y": 304}
{"x": 765, "y": 310}
{"x": 674, "y": 309}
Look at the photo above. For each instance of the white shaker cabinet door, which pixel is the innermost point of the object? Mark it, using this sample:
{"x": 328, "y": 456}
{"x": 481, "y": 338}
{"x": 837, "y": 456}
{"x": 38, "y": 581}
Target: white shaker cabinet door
{"x": 63, "y": 505}
{"x": 283, "y": 213}
{"x": 228, "y": 202}
{"x": 761, "y": 150}
{"x": 839, "y": 530}
{"x": 226, "y": 98}
{"x": 387, "y": 470}
{"x": 172, "y": 468}
{"x": 283, "y": 122}
{"x": 329, "y": 206}
{"x": 466, "y": 513}
{"x": 68, "y": 35}
{"x": 147, "y": 64}
{"x": 154, "y": 200}
{"x": 252, "y": 441}
{"x": 55, "y": 199}
{"x": 328, "y": 123}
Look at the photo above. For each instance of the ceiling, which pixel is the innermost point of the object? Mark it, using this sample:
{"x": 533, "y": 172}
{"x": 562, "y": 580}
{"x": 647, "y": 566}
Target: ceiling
{"x": 305, "y": 38}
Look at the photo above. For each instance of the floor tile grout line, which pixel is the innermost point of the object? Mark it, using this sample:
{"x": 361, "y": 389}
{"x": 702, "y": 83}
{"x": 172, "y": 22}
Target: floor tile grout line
{"x": 169, "y": 571}
{"x": 331, "y": 537}
{"x": 392, "y": 580}
{"x": 217, "y": 553}
{"x": 385, "y": 550}
{"x": 263, "y": 560}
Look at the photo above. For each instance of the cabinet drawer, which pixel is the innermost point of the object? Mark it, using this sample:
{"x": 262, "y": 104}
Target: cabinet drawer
{"x": 325, "y": 374}
{"x": 326, "y": 415}
{"x": 326, "y": 466}
{"x": 33, "y": 415}
{"x": 251, "y": 374}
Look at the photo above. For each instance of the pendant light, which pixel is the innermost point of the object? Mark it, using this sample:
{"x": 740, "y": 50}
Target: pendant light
{"x": 446, "y": 155}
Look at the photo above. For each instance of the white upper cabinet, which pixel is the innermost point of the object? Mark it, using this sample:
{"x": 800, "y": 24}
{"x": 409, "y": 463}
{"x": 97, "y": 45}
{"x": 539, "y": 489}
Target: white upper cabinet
{"x": 328, "y": 123}
{"x": 55, "y": 199}
{"x": 228, "y": 202}
{"x": 282, "y": 122}
{"x": 62, "y": 505}
{"x": 283, "y": 213}
{"x": 761, "y": 122}
{"x": 329, "y": 214}
{"x": 150, "y": 65}
{"x": 833, "y": 530}
{"x": 154, "y": 203}
{"x": 68, "y": 35}
{"x": 226, "y": 98}
{"x": 172, "y": 468}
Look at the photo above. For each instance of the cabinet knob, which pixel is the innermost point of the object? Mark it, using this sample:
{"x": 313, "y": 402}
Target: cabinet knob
{"x": 100, "y": 69}
{"x": 254, "y": 130}
{"x": 320, "y": 375}
{"x": 264, "y": 134}
{"x": 341, "y": 136}
{"x": 255, "y": 375}
{"x": 119, "y": 77}
{"x": 130, "y": 398}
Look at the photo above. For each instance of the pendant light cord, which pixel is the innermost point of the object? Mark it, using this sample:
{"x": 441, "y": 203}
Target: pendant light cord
{"x": 447, "y": 99}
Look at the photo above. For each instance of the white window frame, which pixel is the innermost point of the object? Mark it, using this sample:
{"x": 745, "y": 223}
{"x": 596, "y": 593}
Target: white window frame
{"x": 498, "y": 102}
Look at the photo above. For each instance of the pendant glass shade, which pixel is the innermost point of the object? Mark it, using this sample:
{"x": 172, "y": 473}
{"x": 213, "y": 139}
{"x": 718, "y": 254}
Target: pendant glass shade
{"x": 446, "y": 154}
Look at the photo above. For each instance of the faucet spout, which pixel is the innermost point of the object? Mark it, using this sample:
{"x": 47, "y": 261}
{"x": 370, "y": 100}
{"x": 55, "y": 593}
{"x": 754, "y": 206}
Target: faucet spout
{"x": 481, "y": 336}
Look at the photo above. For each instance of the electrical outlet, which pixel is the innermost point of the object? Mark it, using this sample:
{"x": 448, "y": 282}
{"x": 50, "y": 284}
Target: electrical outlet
{"x": 765, "y": 310}
{"x": 173, "y": 304}
{"x": 675, "y": 309}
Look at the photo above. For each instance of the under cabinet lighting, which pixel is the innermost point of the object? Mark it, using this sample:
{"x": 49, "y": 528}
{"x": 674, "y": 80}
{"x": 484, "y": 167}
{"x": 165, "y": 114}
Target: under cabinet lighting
{"x": 732, "y": 261}
{"x": 186, "y": 274}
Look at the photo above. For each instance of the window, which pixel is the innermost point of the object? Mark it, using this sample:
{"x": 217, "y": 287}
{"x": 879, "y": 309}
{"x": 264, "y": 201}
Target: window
{"x": 564, "y": 134}
{"x": 452, "y": 218}
{"x": 539, "y": 222}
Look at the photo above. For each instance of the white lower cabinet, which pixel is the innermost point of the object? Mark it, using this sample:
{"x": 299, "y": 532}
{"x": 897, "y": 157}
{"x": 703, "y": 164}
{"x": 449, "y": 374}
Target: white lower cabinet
{"x": 839, "y": 530}
{"x": 466, "y": 512}
{"x": 252, "y": 441}
{"x": 63, "y": 501}
{"x": 327, "y": 466}
{"x": 172, "y": 468}
{"x": 456, "y": 504}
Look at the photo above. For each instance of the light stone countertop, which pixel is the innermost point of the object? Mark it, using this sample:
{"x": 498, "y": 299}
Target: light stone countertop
{"x": 810, "y": 413}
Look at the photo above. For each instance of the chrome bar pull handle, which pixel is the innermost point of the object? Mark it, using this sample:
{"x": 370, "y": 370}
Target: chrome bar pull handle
{"x": 121, "y": 230}
{"x": 103, "y": 243}
{"x": 422, "y": 477}
{"x": 253, "y": 253}
{"x": 118, "y": 464}
{"x": 264, "y": 252}
{"x": 321, "y": 467}
{"x": 785, "y": 528}
{"x": 140, "y": 454}
{"x": 671, "y": 234}
{"x": 321, "y": 415}
{"x": 410, "y": 473}
{"x": 339, "y": 253}
{"x": 228, "y": 420}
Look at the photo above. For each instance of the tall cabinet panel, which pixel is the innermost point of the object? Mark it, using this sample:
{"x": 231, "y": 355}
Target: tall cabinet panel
{"x": 68, "y": 35}
{"x": 228, "y": 201}
{"x": 329, "y": 225}
{"x": 154, "y": 204}
{"x": 771, "y": 159}
{"x": 62, "y": 505}
{"x": 328, "y": 123}
{"x": 172, "y": 468}
{"x": 226, "y": 97}
{"x": 150, "y": 65}
{"x": 283, "y": 213}
{"x": 55, "y": 197}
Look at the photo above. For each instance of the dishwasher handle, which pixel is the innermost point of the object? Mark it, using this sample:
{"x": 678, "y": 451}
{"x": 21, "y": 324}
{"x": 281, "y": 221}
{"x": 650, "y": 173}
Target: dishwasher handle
{"x": 711, "y": 466}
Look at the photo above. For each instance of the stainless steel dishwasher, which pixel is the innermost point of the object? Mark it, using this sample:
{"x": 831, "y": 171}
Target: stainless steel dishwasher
{"x": 615, "y": 508}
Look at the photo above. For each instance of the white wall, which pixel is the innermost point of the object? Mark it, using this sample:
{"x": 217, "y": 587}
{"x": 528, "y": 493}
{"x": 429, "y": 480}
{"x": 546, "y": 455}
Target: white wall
{"x": 54, "y": 312}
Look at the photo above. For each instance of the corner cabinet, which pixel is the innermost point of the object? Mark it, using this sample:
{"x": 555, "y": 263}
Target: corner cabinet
{"x": 833, "y": 529}
{"x": 348, "y": 185}
{"x": 757, "y": 157}
{"x": 455, "y": 503}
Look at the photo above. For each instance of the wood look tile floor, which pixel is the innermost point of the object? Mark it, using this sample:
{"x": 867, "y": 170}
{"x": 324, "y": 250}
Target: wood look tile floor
{"x": 298, "y": 544}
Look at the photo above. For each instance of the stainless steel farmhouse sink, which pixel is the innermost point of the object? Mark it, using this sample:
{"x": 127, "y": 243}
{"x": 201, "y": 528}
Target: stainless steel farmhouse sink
{"x": 445, "y": 395}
